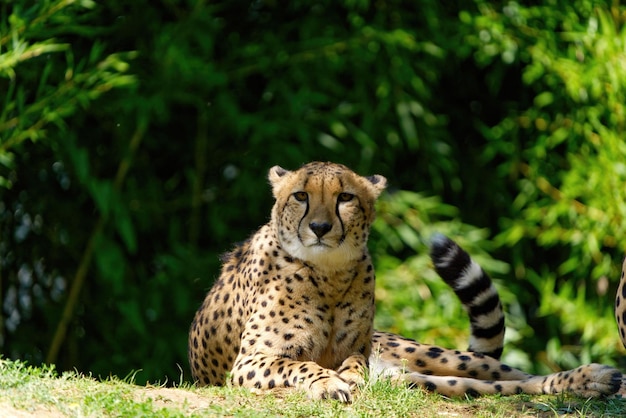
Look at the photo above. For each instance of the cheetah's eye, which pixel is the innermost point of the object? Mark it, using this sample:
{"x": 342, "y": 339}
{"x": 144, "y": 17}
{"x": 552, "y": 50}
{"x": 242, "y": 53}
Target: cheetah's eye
{"x": 301, "y": 196}
{"x": 345, "y": 197}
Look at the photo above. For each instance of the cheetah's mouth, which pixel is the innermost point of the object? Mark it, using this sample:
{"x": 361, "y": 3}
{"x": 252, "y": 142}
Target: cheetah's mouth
{"x": 320, "y": 244}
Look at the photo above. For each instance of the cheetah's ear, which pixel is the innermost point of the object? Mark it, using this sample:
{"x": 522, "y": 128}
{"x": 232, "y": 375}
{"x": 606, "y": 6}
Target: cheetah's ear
{"x": 276, "y": 176}
{"x": 276, "y": 172}
{"x": 378, "y": 184}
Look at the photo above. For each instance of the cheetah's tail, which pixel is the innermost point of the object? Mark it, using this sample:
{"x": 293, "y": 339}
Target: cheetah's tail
{"x": 476, "y": 292}
{"x": 620, "y": 305}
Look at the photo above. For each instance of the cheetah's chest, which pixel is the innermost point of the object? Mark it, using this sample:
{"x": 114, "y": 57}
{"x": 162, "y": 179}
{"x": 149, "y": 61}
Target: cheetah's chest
{"x": 309, "y": 317}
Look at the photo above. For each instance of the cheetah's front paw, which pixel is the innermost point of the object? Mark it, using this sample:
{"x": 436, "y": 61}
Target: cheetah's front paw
{"x": 352, "y": 370}
{"x": 331, "y": 387}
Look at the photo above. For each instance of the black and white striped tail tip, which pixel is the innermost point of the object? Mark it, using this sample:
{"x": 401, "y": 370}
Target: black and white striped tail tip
{"x": 440, "y": 245}
{"x": 474, "y": 289}
{"x": 448, "y": 258}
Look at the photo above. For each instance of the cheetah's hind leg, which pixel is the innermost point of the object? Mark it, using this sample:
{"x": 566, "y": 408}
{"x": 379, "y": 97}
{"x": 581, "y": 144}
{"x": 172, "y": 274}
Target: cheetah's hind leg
{"x": 589, "y": 381}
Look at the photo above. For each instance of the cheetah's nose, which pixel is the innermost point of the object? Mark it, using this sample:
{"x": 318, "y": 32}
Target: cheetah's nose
{"x": 320, "y": 229}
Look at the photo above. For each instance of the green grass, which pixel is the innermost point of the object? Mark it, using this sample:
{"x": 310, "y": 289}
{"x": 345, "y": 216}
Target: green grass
{"x": 31, "y": 391}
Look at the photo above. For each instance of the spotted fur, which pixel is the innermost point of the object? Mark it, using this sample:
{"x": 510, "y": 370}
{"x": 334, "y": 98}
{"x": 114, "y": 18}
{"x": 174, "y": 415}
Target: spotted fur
{"x": 294, "y": 306}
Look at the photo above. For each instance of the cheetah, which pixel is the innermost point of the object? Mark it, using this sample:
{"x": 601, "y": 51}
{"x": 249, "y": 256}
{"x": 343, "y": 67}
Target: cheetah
{"x": 294, "y": 306}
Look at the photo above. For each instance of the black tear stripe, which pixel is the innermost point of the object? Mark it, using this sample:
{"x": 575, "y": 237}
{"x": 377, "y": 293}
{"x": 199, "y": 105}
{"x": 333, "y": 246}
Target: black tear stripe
{"x": 306, "y": 211}
{"x": 476, "y": 292}
{"x": 343, "y": 231}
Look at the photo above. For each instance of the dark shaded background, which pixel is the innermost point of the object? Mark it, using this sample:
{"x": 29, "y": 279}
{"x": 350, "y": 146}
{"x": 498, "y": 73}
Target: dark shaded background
{"x": 135, "y": 138}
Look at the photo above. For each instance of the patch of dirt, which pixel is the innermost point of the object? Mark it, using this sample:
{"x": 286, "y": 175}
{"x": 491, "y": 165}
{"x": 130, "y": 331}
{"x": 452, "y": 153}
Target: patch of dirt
{"x": 456, "y": 411}
{"x": 177, "y": 398}
{"x": 9, "y": 411}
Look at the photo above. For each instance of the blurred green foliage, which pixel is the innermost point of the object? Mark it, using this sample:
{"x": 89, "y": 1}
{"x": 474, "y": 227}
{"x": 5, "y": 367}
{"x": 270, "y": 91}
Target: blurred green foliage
{"x": 135, "y": 139}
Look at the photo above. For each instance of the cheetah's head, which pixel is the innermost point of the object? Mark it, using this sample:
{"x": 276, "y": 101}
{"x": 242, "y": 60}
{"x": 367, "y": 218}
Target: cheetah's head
{"x": 323, "y": 212}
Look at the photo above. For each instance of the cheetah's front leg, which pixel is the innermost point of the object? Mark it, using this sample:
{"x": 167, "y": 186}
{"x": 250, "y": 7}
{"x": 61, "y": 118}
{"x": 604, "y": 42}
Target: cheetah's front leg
{"x": 261, "y": 371}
